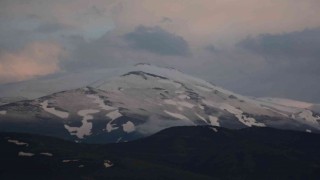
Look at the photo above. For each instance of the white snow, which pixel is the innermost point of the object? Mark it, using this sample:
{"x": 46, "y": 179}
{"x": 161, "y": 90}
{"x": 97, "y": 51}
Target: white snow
{"x": 185, "y": 104}
{"x": 110, "y": 127}
{"x": 199, "y": 116}
{"x": 308, "y": 131}
{"x": 214, "y": 129}
{"x": 112, "y": 115}
{"x": 16, "y": 142}
{"x": 25, "y": 154}
{"x": 287, "y": 102}
{"x": 46, "y": 154}
{"x": 176, "y": 115}
{"x": 53, "y": 111}
{"x": 209, "y": 103}
{"x": 204, "y": 88}
{"x": 308, "y": 116}
{"x": 100, "y": 102}
{"x": 179, "y": 92}
{"x": 183, "y": 96}
{"x": 3, "y": 112}
{"x": 126, "y": 91}
{"x": 85, "y": 128}
{"x": 248, "y": 121}
{"x": 107, "y": 164}
{"x": 128, "y": 127}
{"x": 170, "y": 102}
{"x": 178, "y": 103}
{"x": 119, "y": 139}
{"x": 214, "y": 121}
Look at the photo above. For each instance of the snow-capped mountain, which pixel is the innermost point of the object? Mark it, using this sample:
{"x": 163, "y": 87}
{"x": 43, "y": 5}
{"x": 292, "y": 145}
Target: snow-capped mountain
{"x": 129, "y": 103}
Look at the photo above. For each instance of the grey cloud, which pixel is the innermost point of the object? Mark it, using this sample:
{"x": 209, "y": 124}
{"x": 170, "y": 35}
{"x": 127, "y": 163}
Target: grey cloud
{"x": 158, "y": 41}
{"x": 50, "y": 27}
{"x": 107, "y": 51}
{"x": 292, "y": 63}
{"x": 297, "y": 52}
{"x": 303, "y": 44}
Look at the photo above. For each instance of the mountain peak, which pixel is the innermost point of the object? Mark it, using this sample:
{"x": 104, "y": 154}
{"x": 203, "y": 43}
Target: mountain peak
{"x": 128, "y": 103}
{"x": 143, "y": 74}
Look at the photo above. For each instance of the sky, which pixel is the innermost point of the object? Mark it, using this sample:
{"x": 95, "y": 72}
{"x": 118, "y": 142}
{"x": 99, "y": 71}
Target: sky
{"x": 268, "y": 48}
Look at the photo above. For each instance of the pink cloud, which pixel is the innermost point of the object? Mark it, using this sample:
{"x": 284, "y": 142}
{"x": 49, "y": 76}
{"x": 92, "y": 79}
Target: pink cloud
{"x": 35, "y": 59}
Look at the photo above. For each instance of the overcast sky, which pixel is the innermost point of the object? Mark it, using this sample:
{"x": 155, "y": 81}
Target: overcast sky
{"x": 252, "y": 47}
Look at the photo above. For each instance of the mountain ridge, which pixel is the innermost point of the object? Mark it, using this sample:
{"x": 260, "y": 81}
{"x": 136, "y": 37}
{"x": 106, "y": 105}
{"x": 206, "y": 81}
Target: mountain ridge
{"x": 193, "y": 152}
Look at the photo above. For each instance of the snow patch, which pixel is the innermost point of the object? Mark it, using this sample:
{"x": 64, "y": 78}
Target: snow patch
{"x": 308, "y": 131}
{"x": 119, "y": 139}
{"x": 179, "y": 92}
{"x": 204, "y": 88}
{"x": 214, "y": 121}
{"x": 176, "y": 115}
{"x": 248, "y": 121}
{"x": 16, "y": 142}
{"x": 3, "y": 112}
{"x": 185, "y": 104}
{"x": 202, "y": 118}
{"x": 46, "y": 154}
{"x": 287, "y": 102}
{"x": 170, "y": 102}
{"x": 214, "y": 129}
{"x": 53, "y": 111}
{"x": 85, "y": 128}
{"x": 100, "y": 102}
{"x": 128, "y": 127}
{"x": 183, "y": 96}
{"x": 308, "y": 116}
{"x": 112, "y": 115}
{"x": 107, "y": 164}
{"x": 25, "y": 154}
{"x": 178, "y": 103}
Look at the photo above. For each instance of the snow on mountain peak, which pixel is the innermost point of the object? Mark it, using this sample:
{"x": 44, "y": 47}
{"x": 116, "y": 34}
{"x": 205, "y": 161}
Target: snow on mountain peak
{"x": 125, "y": 103}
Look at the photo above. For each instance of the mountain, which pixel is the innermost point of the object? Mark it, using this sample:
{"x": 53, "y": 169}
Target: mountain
{"x": 136, "y": 102}
{"x": 194, "y": 152}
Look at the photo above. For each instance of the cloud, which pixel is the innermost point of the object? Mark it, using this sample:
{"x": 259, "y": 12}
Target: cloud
{"x": 158, "y": 41}
{"x": 296, "y": 51}
{"x": 300, "y": 44}
{"x": 291, "y": 64}
{"x": 35, "y": 59}
{"x": 50, "y": 27}
{"x": 205, "y": 21}
{"x": 114, "y": 33}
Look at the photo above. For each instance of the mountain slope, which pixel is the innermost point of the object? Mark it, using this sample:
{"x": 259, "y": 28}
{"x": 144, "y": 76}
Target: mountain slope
{"x": 142, "y": 101}
{"x": 202, "y": 152}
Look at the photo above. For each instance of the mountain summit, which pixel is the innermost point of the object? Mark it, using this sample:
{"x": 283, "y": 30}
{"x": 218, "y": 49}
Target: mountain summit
{"x": 129, "y": 103}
